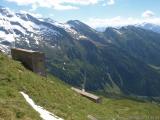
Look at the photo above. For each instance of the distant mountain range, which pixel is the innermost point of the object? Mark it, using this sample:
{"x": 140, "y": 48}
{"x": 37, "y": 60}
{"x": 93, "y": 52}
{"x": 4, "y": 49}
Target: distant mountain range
{"x": 123, "y": 61}
{"x": 150, "y": 26}
{"x": 146, "y": 26}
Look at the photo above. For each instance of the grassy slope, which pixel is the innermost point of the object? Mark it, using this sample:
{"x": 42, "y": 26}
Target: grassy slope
{"x": 57, "y": 97}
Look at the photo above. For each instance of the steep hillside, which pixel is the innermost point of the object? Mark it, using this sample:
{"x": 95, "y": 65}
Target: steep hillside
{"x": 57, "y": 97}
{"x": 140, "y": 43}
{"x": 87, "y": 31}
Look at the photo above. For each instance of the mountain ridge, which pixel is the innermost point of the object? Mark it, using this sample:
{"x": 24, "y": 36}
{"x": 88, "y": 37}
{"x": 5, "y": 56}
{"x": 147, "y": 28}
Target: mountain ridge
{"x": 115, "y": 61}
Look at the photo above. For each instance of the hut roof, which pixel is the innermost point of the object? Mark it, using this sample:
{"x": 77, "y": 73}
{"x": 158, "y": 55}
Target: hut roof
{"x": 85, "y": 93}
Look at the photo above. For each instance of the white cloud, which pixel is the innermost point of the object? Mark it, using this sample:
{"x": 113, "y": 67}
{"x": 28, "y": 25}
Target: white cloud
{"x": 65, "y": 7}
{"x": 119, "y": 21}
{"x": 111, "y": 2}
{"x": 148, "y": 14}
{"x": 104, "y": 4}
{"x": 82, "y": 2}
{"x": 56, "y": 4}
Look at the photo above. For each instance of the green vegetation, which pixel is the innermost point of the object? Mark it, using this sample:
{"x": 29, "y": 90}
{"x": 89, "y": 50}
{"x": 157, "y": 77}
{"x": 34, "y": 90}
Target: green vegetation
{"x": 121, "y": 67}
{"x": 58, "y": 98}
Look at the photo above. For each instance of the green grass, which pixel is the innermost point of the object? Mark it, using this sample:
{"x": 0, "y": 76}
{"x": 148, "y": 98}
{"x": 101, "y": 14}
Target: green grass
{"x": 57, "y": 97}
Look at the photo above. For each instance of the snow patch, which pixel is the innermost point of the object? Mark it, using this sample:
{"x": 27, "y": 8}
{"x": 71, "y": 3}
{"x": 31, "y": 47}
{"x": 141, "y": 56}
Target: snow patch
{"x": 64, "y": 26}
{"x": 44, "y": 114}
{"x": 117, "y": 31}
{"x": 26, "y": 24}
{"x": 19, "y": 28}
{"x": 82, "y": 37}
{"x": 44, "y": 29}
{"x": 5, "y": 49}
{"x": 7, "y": 37}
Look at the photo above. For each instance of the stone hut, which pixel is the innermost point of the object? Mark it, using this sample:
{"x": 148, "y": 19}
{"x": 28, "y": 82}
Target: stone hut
{"x": 32, "y": 60}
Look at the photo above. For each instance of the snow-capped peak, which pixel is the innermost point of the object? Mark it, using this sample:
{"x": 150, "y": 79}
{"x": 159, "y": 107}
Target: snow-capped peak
{"x": 6, "y": 12}
{"x": 30, "y": 30}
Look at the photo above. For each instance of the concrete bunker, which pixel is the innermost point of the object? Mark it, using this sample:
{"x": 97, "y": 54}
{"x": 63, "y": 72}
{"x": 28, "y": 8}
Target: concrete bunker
{"x": 32, "y": 60}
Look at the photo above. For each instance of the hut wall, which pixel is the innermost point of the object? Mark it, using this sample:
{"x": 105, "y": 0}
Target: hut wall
{"x": 34, "y": 61}
{"x": 24, "y": 57}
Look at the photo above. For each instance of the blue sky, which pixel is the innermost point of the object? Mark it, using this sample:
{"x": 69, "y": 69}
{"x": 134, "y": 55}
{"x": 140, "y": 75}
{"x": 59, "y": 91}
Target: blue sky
{"x": 96, "y": 13}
